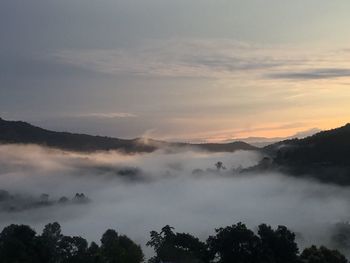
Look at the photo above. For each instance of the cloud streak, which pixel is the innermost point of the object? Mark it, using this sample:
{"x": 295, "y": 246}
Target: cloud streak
{"x": 313, "y": 74}
{"x": 218, "y": 58}
{"x": 186, "y": 58}
{"x": 106, "y": 115}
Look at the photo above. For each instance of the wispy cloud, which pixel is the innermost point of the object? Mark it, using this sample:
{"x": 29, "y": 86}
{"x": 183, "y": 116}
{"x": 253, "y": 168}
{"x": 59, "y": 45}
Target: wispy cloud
{"x": 186, "y": 58}
{"x": 106, "y": 115}
{"x": 312, "y": 74}
{"x": 218, "y": 58}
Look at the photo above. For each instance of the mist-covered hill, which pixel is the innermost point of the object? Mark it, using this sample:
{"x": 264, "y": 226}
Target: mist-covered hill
{"x": 325, "y": 155}
{"x": 25, "y": 133}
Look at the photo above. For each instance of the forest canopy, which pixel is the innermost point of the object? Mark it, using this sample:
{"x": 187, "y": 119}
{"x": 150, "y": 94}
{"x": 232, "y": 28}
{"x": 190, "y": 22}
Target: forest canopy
{"x": 235, "y": 243}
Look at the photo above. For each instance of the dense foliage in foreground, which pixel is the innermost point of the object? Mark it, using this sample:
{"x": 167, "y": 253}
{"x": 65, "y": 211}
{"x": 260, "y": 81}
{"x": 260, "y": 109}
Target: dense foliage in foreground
{"x": 232, "y": 244}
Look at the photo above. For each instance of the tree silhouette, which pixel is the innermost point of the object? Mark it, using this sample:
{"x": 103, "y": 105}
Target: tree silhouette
{"x": 322, "y": 255}
{"x": 220, "y": 166}
{"x": 231, "y": 244}
{"x": 278, "y": 245}
{"x": 18, "y": 244}
{"x": 235, "y": 243}
{"x": 177, "y": 247}
{"x": 50, "y": 243}
{"x": 119, "y": 249}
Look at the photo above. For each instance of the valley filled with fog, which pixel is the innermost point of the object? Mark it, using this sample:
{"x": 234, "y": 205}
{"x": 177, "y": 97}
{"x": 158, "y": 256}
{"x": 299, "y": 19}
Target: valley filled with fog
{"x": 135, "y": 194}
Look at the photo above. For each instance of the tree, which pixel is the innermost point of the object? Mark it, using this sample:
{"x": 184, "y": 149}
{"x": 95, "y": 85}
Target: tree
{"x": 18, "y": 244}
{"x": 232, "y": 244}
{"x": 322, "y": 255}
{"x": 220, "y": 166}
{"x": 177, "y": 247}
{"x": 73, "y": 249}
{"x": 235, "y": 243}
{"x": 50, "y": 243}
{"x": 93, "y": 254}
{"x": 119, "y": 249}
{"x": 278, "y": 245}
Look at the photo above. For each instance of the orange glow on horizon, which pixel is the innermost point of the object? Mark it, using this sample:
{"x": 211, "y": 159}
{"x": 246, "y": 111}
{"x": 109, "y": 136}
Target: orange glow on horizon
{"x": 266, "y": 133}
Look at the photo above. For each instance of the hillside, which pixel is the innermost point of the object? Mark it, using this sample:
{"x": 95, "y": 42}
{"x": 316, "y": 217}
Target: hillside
{"x": 25, "y": 133}
{"x": 325, "y": 155}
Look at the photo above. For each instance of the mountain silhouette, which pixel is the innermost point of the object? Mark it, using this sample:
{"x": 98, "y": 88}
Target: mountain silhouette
{"x": 325, "y": 155}
{"x": 19, "y": 132}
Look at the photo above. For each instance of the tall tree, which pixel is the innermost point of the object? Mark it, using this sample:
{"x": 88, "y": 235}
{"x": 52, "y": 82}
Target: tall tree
{"x": 177, "y": 247}
{"x": 18, "y": 244}
{"x": 278, "y": 245}
{"x": 235, "y": 243}
{"x": 119, "y": 249}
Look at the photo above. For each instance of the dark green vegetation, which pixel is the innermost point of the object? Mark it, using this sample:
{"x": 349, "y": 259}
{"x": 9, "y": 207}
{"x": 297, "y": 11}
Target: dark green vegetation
{"x": 324, "y": 156}
{"x": 19, "y": 243}
{"x": 25, "y": 133}
{"x": 232, "y": 244}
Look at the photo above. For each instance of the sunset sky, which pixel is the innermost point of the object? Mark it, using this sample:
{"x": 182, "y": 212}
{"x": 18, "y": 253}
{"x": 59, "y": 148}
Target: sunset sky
{"x": 186, "y": 70}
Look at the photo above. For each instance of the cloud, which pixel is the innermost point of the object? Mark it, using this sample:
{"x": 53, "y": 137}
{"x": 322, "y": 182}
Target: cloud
{"x": 264, "y": 141}
{"x": 313, "y": 74}
{"x": 218, "y": 58}
{"x": 39, "y": 65}
{"x": 175, "y": 58}
{"x": 303, "y": 134}
{"x": 184, "y": 88}
{"x": 233, "y": 135}
{"x": 106, "y": 115}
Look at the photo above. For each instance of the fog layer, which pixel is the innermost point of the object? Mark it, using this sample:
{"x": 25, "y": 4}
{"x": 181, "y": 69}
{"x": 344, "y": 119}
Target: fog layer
{"x": 135, "y": 194}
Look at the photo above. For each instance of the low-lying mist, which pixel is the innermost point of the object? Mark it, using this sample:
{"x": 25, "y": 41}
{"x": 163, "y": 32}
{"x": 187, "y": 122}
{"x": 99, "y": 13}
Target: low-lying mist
{"x": 135, "y": 194}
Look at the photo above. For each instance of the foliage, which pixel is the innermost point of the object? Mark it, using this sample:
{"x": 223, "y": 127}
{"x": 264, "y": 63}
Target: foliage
{"x": 231, "y": 244}
{"x": 177, "y": 247}
{"x": 119, "y": 249}
{"x": 278, "y": 245}
{"x": 322, "y": 255}
{"x": 235, "y": 243}
{"x": 19, "y": 243}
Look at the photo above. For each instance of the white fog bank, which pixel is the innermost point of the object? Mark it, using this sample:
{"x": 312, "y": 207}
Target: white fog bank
{"x": 164, "y": 190}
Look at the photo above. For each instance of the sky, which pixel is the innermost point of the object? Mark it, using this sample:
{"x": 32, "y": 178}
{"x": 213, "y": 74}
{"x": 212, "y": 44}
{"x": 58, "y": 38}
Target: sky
{"x": 189, "y": 70}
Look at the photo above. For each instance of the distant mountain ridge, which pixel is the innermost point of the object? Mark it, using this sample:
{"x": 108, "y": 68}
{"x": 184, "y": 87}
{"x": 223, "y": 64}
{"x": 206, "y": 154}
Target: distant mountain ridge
{"x": 324, "y": 156}
{"x": 20, "y": 132}
{"x": 265, "y": 141}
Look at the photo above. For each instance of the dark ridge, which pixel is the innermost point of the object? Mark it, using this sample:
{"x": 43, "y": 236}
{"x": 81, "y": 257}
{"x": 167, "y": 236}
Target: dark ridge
{"x": 18, "y": 132}
{"x": 325, "y": 155}
{"x": 25, "y": 133}
{"x": 227, "y": 147}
